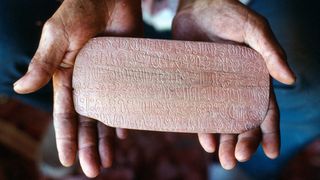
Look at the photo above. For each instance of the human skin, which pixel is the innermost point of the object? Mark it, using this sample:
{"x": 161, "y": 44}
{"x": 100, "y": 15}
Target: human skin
{"x": 75, "y": 22}
{"x": 63, "y": 35}
{"x": 229, "y": 20}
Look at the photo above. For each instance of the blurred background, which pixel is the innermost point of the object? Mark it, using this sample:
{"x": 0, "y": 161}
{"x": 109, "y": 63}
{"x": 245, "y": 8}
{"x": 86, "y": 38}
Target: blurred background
{"x": 27, "y": 144}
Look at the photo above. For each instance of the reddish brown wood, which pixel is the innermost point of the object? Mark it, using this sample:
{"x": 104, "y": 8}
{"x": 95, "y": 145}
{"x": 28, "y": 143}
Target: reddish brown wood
{"x": 177, "y": 86}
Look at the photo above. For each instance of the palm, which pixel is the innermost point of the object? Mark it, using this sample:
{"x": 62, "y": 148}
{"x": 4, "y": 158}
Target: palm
{"x": 64, "y": 34}
{"x": 210, "y": 21}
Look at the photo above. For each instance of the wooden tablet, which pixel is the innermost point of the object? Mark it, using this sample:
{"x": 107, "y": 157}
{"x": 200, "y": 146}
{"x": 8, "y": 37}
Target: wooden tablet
{"x": 167, "y": 85}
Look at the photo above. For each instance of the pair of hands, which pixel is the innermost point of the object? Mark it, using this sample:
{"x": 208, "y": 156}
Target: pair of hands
{"x": 75, "y": 22}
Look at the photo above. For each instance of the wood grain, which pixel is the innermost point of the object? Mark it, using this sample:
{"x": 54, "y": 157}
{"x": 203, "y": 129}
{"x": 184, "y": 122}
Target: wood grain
{"x": 166, "y": 85}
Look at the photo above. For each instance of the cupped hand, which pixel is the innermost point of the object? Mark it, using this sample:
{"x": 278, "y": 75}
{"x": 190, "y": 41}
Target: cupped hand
{"x": 229, "y": 20}
{"x": 63, "y": 35}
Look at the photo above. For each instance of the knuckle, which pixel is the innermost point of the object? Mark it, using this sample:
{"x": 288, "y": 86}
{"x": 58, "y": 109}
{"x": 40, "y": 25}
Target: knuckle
{"x": 53, "y": 27}
{"x": 227, "y": 141}
{"x": 49, "y": 25}
{"x": 65, "y": 126}
{"x": 263, "y": 19}
{"x": 109, "y": 138}
{"x": 65, "y": 138}
{"x": 258, "y": 21}
{"x": 43, "y": 65}
{"x": 87, "y": 146}
{"x": 262, "y": 22}
{"x": 64, "y": 118}
{"x": 84, "y": 122}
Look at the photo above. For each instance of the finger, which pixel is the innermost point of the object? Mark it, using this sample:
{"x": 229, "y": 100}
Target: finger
{"x": 247, "y": 144}
{"x": 226, "y": 151}
{"x": 64, "y": 117}
{"x": 52, "y": 47}
{"x": 122, "y": 133}
{"x": 88, "y": 146}
{"x": 270, "y": 129}
{"x": 106, "y": 144}
{"x": 260, "y": 37}
{"x": 208, "y": 142}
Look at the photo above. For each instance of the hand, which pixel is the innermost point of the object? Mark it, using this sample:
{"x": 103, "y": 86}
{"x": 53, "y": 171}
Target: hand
{"x": 229, "y": 20}
{"x": 63, "y": 35}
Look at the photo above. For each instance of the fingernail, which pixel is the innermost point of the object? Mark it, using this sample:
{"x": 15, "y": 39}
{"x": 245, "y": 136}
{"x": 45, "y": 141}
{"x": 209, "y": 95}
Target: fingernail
{"x": 210, "y": 149}
{"x": 228, "y": 166}
{"x": 288, "y": 78}
{"x": 17, "y": 86}
{"x": 294, "y": 78}
{"x": 241, "y": 156}
{"x": 273, "y": 154}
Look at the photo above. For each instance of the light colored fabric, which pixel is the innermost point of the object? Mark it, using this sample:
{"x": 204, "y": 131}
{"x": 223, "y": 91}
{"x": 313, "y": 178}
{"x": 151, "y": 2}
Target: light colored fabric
{"x": 159, "y": 14}
{"x": 245, "y": 1}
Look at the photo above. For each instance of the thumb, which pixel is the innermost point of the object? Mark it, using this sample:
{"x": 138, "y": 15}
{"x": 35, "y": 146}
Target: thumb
{"x": 52, "y": 48}
{"x": 260, "y": 37}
